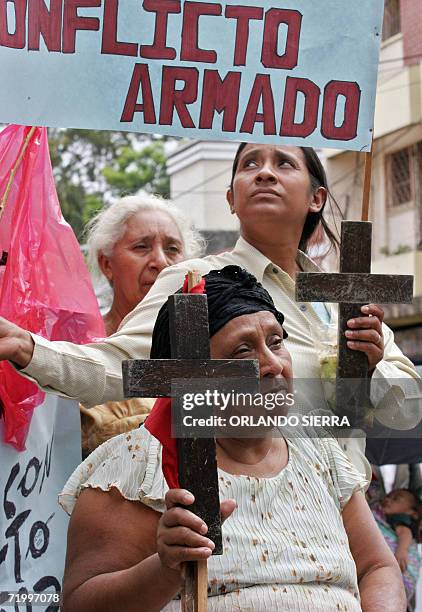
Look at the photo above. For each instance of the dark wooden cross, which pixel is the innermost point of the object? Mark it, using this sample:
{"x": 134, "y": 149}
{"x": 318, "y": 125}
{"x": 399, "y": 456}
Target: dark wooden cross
{"x": 190, "y": 350}
{"x": 352, "y": 288}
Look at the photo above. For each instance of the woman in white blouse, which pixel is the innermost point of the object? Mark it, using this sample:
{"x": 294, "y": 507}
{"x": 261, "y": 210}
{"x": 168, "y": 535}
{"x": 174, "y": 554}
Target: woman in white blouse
{"x": 298, "y": 533}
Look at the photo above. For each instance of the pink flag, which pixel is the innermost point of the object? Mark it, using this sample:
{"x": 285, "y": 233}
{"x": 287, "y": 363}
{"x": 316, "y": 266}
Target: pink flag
{"x": 45, "y": 286}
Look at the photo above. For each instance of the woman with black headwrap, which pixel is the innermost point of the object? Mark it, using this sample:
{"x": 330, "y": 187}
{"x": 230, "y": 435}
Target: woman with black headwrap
{"x": 298, "y": 536}
{"x": 231, "y": 292}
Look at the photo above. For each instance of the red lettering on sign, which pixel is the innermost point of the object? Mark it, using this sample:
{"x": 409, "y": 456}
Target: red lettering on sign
{"x": 190, "y": 52}
{"x": 72, "y": 22}
{"x": 221, "y": 96}
{"x": 162, "y": 8}
{"x": 312, "y": 93}
{"x": 349, "y": 128}
{"x": 273, "y": 19}
{"x": 45, "y": 22}
{"x": 243, "y": 14}
{"x": 172, "y": 98}
{"x": 15, "y": 40}
{"x": 110, "y": 44}
{"x": 140, "y": 79}
{"x": 261, "y": 90}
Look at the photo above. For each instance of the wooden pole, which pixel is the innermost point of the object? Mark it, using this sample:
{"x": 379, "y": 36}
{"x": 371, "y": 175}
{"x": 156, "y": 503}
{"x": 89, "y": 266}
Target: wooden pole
{"x": 201, "y": 586}
{"x": 367, "y": 186}
{"x": 194, "y": 278}
{"x": 15, "y": 169}
{"x": 195, "y": 589}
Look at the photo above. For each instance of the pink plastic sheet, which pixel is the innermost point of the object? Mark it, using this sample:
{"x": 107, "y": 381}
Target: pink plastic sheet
{"x": 45, "y": 286}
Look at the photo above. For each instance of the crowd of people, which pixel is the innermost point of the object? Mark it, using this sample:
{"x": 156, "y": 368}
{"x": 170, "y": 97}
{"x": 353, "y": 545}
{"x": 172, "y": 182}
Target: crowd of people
{"x": 298, "y": 531}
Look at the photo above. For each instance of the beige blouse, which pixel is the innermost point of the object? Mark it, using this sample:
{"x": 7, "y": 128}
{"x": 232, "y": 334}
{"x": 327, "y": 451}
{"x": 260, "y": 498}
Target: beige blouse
{"x": 285, "y": 546}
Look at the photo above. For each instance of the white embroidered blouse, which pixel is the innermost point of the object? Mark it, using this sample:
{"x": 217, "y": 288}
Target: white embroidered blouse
{"x": 285, "y": 546}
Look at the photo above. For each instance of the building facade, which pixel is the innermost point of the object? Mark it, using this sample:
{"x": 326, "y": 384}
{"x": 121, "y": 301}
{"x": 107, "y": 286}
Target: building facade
{"x": 200, "y": 173}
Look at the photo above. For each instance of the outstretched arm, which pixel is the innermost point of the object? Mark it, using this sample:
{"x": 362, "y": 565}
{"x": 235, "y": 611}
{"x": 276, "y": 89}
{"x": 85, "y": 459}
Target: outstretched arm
{"x": 380, "y": 582}
{"x": 92, "y": 373}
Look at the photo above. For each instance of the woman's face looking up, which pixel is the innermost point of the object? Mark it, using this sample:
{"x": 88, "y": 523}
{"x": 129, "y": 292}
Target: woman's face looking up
{"x": 272, "y": 185}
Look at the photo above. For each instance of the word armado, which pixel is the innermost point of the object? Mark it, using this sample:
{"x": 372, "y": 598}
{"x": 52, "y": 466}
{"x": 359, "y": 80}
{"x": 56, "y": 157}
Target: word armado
{"x": 222, "y": 96}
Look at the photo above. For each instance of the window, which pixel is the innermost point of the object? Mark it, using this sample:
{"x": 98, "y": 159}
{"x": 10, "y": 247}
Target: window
{"x": 401, "y": 191}
{"x": 404, "y": 176}
{"x": 392, "y": 23}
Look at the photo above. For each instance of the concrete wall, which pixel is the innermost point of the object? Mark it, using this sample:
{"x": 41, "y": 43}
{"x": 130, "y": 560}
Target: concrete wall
{"x": 200, "y": 174}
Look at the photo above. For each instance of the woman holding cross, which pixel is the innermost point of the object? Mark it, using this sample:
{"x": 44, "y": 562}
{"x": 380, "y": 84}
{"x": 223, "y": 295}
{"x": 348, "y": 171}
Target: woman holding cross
{"x": 299, "y": 535}
{"x": 279, "y": 194}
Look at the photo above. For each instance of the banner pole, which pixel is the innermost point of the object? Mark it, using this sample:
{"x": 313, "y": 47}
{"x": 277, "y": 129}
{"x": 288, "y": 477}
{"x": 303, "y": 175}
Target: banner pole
{"x": 367, "y": 186}
{"x": 15, "y": 169}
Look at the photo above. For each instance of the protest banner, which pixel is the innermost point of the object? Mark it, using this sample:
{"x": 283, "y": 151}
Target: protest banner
{"x": 304, "y": 72}
{"x": 32, "y": 526}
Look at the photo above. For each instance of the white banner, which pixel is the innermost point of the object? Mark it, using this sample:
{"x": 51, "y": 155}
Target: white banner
{"x": 33, "y": 527}
{"x": 302, "y": 72}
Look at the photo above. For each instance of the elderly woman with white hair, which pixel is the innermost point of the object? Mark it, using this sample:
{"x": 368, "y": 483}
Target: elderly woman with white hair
{"x": 129, "y": 243}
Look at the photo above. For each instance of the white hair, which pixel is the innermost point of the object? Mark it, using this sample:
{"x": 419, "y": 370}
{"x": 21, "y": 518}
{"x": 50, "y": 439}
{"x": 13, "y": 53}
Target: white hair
{"x": 109, "y": 225}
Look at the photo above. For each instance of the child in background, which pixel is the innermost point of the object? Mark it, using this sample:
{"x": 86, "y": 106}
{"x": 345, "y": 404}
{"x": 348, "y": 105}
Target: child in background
{"x": 402, "y": 510}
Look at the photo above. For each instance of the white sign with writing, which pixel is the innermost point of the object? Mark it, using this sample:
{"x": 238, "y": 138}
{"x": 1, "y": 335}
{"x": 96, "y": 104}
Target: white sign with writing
{"x": 33, "y": 527}
{"x": 298, "y": 71}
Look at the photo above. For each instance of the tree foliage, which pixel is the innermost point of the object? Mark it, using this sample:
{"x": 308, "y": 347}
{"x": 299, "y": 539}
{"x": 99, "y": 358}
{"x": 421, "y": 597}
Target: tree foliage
{"x": 91, "y": 168}
{"x": 134, "y": 170}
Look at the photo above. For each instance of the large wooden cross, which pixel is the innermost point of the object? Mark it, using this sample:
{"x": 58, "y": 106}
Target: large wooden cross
{"x": 352, "y": 288}
{"x": 190, "y": 352}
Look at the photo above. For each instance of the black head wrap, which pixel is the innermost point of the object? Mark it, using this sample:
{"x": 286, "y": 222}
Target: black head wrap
{"x": 231, "y": 292}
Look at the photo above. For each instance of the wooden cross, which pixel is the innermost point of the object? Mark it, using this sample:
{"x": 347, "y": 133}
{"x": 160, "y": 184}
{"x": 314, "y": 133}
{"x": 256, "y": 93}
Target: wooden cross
{"x": 352, "y": 288}
{"x": 190, "y": 352}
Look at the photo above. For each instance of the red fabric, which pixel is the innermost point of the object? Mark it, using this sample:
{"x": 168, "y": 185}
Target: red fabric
{"x": 45, "y": 286}
{"x": 158, "y": 422}
{"x": 199, "y": 288}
